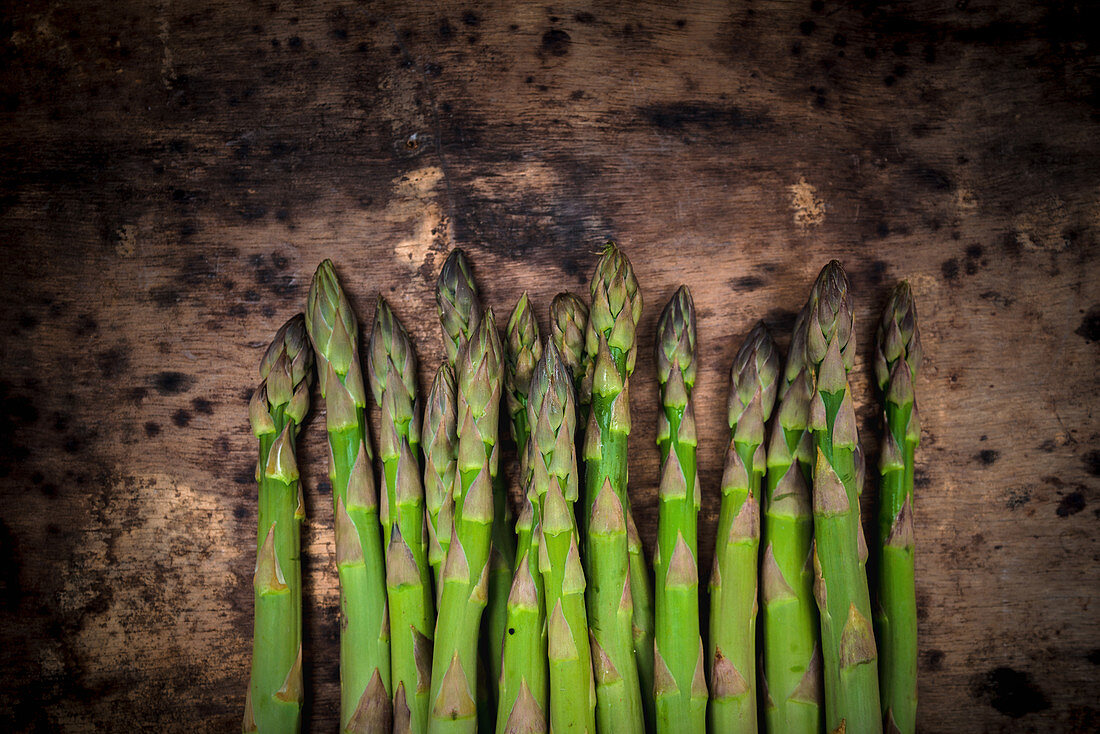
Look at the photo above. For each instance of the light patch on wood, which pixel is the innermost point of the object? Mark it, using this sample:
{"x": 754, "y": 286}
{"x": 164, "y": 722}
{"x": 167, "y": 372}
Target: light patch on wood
{"x": 1041, "y": 227}
{"x": 150, "y": 524}
{"x": 965, "y": 200}
{"x": 809, "y": 211}
{"x": 415, "y": 202}
{"x": 126, "y": 245}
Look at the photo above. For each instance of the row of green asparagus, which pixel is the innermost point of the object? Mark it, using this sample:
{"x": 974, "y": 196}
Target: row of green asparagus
{"x": 553, "y": 622}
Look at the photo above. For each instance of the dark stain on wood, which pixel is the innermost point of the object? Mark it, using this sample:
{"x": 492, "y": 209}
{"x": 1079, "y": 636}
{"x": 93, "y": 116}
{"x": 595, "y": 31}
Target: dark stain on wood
{"x": 1071, "y": 504}
{"x": 950, "y": 269}
{"x": 203, "y": 406}
{"x": 113, "y": 362}
{"x": 932, "y": 660}
{"x": 172, "y": 383}
{"x": 10, "y": 591}
{"x": 747, "y": 282}
{"x": 1091, "y": 460}
{"x": 555, "y": 43}
{"x": 681, "y": 116}
{"x": 1011, "y": 692}
{"x": 1089, "y": 329}
{"x": 988, "y": 457}
{"x": 780, "y": 321}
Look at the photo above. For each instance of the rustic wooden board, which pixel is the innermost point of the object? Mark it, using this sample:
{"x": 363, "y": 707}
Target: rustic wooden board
{"x": 172, "y": 173}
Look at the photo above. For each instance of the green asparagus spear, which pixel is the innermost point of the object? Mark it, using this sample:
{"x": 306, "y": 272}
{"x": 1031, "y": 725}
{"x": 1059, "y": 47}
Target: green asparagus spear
{"x": 459, "y": 314}
{"x": 680, "y": 685}
{"x": 439, "y": 467}
{"x": 733, "y": 585}
{"x": 391, "y": 367}
{"x": 840, "y": 550}
{"x": 524, "y": 678}
{"x": 274, "y": 699}
{"x": 610, "y": 608}
{"x": 524, "y": 670}
{"x": 568, "y": 323}
{"x": 466, "y": 570}
{"x": 788, "y": 614}
{"x": 897, "y": 359}
{"x": 552, "y": 463}
{"x": 459, "y": 306}
{"x": 364, "y": 638}
{"x": 643, "y": 629}
{"x": 619, "y": 640}
{"x": 522, "y": 351}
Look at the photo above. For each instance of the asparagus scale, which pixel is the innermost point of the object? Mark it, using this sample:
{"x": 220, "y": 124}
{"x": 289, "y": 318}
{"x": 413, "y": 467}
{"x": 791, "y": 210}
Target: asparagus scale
{"x": 897, "y": 359}
{"x": 680, "y": 687}
{"x": 365, "y": 690}
{"x": 278, "y": 407}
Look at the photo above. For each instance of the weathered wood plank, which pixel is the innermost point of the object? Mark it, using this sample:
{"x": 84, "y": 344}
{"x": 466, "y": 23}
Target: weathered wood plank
{"x": 173, "y": 172}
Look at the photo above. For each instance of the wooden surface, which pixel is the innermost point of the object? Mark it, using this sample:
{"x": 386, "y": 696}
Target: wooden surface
{"x": 172, "y": 172}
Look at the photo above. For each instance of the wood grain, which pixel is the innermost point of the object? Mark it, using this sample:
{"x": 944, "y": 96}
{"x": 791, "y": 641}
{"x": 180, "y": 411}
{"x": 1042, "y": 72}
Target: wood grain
{"x": 172, "y": 173}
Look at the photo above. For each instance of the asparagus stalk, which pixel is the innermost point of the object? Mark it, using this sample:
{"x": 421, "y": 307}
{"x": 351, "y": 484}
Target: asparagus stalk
{"x": 364, "y": 637}
{"x": 274, "y": 699}
{"x": 733, "y": 584}
{"x": 524, "y": 678}
{"x": 524, "y": 669}
{"x": 568, "y": 323}
{"x": 459, "y": 314}
{"x": 840, "y": 550}
{"x": 788, "y": 615}
{"x": 391, "y": 367}
{"x": 643, "y": 630}
{"x": 466, "y": 570}
{"x": 439, "y": 466}
{"x": 897, "y": 359}
{"x": 551, "y": 413}
{"x": 611, "y": 609}
{"x": 618, "y": 626}
{"x": 680, "y": 685}
{"x": 522, "y": 351}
